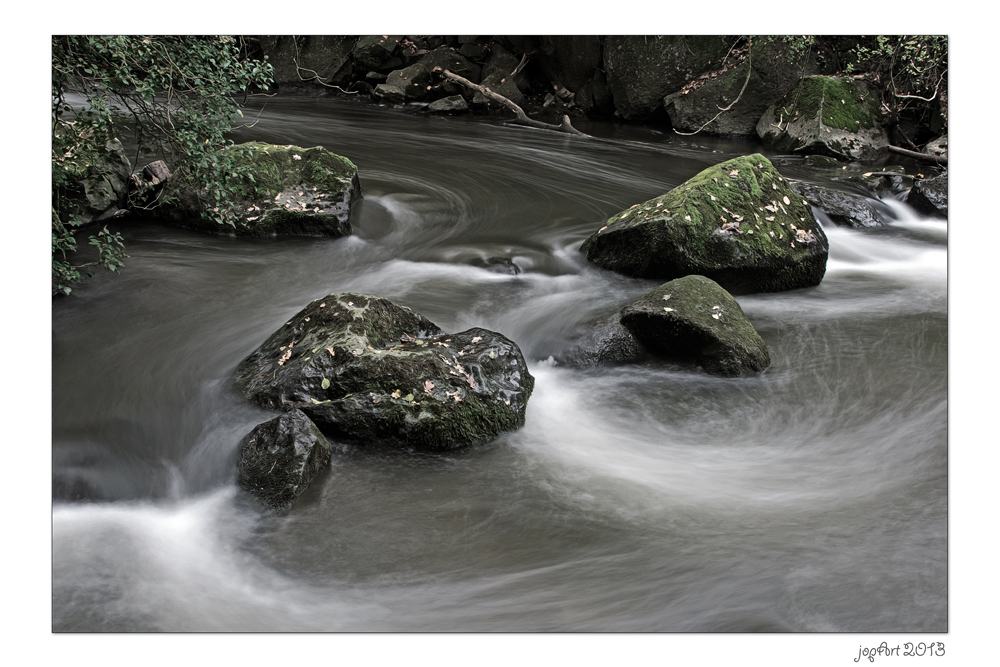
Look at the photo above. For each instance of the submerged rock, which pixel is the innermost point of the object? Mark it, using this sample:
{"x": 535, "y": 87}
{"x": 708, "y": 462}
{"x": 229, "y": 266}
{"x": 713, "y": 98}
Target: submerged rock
{"x": 280, "y": 458}
{"x": 366, "y": 369}
{"x": 286, "y": 190}
{"x": 739, "y": 223}
{"x": 694, "y": 318}
{"x": 832, "y": 116}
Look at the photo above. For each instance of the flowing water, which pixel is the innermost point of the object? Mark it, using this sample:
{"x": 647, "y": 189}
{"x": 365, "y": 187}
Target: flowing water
{"x": 646, "y": 497}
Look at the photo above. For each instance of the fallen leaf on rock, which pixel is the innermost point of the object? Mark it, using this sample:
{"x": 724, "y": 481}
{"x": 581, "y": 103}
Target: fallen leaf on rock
{"x": 476, "y": 339}
{"x": 428, "y": 385}
{"x": 669, "y": 310}
{"x": 396, "y": 394}
{"x": 325, "y": 383}
{"x": 330, "y": 350}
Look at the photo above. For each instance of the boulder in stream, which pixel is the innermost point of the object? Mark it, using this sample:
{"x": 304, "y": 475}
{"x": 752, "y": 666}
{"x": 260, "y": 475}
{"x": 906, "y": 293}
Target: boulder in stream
{"x": 280, "y": 458}
{"x": 738, "y": 223}
{"x": 366, "y": 369}
{"x": 838, "y": 117}
{"x": 694, "y": 318}
{"x": 284, "y": 191}
{"x": 930, "y": 196}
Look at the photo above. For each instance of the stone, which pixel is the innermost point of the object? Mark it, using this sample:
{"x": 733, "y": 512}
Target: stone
{"x": 94, "y": 192}
{"x": 388, "y": 93}
{"x": 643, "y": 69}
{"x": 930, "y": 196}
{"x": 937, "y": 147}
{"x": 375, "y": 51}
{"x": 448, "y": 105}
{"x": 299, "y": 59}
{"x": 772, "y": 69}
{"x": 837, "y": 117}
{"x": 367, "y": 370}
{"x": 694, "y": 318}
{"x": 738, "y": 223}
{"x": 843, "y": 208}
{"x": 293, "y": 191}
{"x": 280, "y": 458}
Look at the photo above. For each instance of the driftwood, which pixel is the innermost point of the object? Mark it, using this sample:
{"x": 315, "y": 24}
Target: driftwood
{"x": 919, "y": 156}
{"x": 520, "y": 116}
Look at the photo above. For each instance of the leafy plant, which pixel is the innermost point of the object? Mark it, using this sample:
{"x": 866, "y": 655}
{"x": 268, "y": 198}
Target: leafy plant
{"x": 172, "y": 96}
{"x": 909, "y": 71}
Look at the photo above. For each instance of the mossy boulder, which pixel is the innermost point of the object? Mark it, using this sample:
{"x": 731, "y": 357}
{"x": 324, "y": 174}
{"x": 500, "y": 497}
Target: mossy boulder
{"x": 280, "y": 458}
{"x": 283, "y": 191}
{"x": 833, "y": 116}
{"x": 643, "y": 69}
{"x": 366, "y": 369}
{"x": 694, "y": 318}
{"x": 930, "y": 196}
{"x": 739, "y": 223}
{"x": 748, "y": 89}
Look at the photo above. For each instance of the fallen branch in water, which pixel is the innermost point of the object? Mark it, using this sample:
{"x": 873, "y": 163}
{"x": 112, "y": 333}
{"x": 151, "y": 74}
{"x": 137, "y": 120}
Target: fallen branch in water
{"x": 918, "y": 156}
{"x": 521, "y": 117}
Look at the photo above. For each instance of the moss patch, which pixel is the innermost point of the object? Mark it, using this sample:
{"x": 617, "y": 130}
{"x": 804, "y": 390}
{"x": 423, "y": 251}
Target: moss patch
{"x": 738, "y": 223}
{"x": 839, "y": 103}
{"x": 694, "y": 318}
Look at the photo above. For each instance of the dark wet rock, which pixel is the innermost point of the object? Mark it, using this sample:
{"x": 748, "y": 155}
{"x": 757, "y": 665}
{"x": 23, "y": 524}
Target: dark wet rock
{"x": 739, "y": 223}
{"x": 772, "y": 70}
{"x": 297, "y": 59}
{"x": 366, "y": 369}
{"x": 280, "y": 458}
{"x": 606, "y": 343}
{"x": 417, "y": 80}
{"x": 389, "y": 93}
{"x": 843, "y": 208}
{"x": 500, "y": 64}
{"x": 497, "y": 265}
{"x": 881, "y": 183}
{"x": 938, "y": 147}
{"x": 293, "y": 191}
{"x": 930, "y": 196}
{"x": 643, "y": 69}
{"x": 502, "y": 85}
{"x": 375, "y": 51}
{"x": 837, "y": 117}
{"x": 448, "y": 105}
{"x": 694, "y": 318}
{"x": 570, "y": 60}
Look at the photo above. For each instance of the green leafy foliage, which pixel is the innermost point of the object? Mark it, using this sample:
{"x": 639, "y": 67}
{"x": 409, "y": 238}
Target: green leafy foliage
{"x": 171, "y": 96}
{"x": 909, "y": 70}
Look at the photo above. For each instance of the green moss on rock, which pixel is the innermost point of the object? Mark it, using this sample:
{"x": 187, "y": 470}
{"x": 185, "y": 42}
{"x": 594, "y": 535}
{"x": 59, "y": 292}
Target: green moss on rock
{"x": 284, "y": 190}
{"x": 694, "y": 318}
{"x": 826, "y": 115}
{"x": 739, "y": 223}
{"x": 366, "y": 369}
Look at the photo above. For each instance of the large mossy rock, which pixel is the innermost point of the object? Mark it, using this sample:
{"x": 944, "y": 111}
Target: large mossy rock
{"x": 771, "y": 70}
{"x": 366, "y": 369}
{"x": 280, "y": 458}
{"x": 832, "y": 116}
{"x": 286, "y": 191}
{"x": 643, "y": 69}
{"x": 738, "y": 223}
{"x": 694, "y": 318}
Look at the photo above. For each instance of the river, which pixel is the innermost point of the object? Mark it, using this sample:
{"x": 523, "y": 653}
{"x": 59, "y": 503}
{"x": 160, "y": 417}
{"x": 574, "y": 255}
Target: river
{"x": 647, "y": 497}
